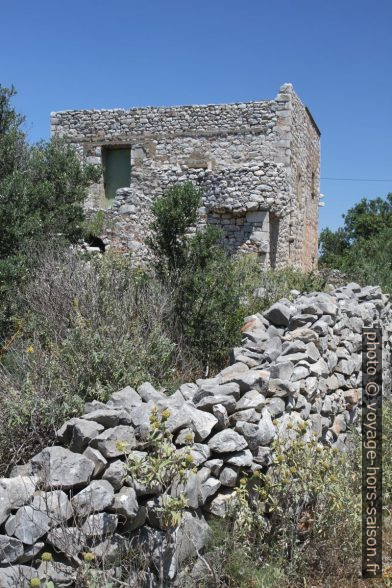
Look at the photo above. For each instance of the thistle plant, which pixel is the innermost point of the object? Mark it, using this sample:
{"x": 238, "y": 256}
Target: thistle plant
{"x": 165, "y": 466}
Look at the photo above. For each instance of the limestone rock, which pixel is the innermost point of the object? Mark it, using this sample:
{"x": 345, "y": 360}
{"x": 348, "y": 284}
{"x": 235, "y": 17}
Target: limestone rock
{"x": 96, "y": 497}
{"x": 116, "y": 473}
{"x": 11, "y": 549}
{"x": 279, "y": 314}
{"x": 220, "y": 413}
{"x": 250, "y": 415}
{"x": 207, "y": 489}
{"x": 208, "y": 402}
{"x": 215, "y": 465}
{"x": 97, "y": 458}
{"x": 126, "y": 399}
{"x": 251, "y": 399}
{"x": 16, "y": 492}
{"x": 115, "y": 441}
{"x": 110, "y": 550}
{"x": 55, "y": 504}
{"x": 17, "y": 576}
{"x": 69, "y": 540}
{"x": 231, "y": 373}
{"x": 148, "y": 393}
{"x": 31, "y": 552}
{"x": 125, "y": 503}
{"x": 239, "y": 459}
{"x": 229, "y": 476}
{"x": 58, "y": 467}
{"x": 107, "y": 417}
{"x": 29, "y": 524}
{"x": 100, "y": 524}
{"x": 227, "y": 441}
{"x": 82, "y": 433}
{"x": 62, "y": 575}
{"x": 219, "y": 505}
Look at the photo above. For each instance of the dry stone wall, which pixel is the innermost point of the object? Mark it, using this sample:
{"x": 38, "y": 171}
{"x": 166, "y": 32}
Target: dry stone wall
{"x": 247, "y": 157}
{"x": 299, "y": 364}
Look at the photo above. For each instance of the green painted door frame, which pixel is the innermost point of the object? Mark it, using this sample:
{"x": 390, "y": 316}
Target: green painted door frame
{"x": 116, "y": 163}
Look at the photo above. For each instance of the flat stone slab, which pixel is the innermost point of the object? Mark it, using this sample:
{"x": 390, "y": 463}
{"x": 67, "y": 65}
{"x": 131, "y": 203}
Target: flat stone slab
{"x": 30, "y": 524}
{"x": 127, "y": 398}
{"x": 115, "y": 441}
{"x": 58, "y": 467}
{"x": 96, "y": 497}
{"x": 227, "y": 441}
{"x": 11, "y": 549}
{"x": 55, "y": 504}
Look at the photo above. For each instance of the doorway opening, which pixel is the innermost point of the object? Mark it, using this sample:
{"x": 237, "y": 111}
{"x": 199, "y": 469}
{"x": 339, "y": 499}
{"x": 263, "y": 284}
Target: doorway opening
{"x": 273, "y": 239}
{"x": 116, "y": 163}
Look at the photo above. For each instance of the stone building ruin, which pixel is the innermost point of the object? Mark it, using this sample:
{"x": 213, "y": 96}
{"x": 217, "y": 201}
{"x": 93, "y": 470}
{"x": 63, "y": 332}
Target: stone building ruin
{"x": 257, "y": 164}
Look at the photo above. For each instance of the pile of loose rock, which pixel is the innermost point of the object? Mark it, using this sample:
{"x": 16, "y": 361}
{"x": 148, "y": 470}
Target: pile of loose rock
{"x": 299, "y": 363}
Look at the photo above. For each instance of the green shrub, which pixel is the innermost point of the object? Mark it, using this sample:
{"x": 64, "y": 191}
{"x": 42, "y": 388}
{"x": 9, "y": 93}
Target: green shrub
{"x": 163, "y": 466}
{"x": 362, "y": 247}
{"x": 212, "y": 290}
{"x": 208, "y": 284}
{"x": 95, "y": 224}
{"x": 174, "y": 213}
{"x": 276, "y": 284}
{"x": 212, "y": 298}
{"x": 298, "y": 522}
{"x": 91, "y": 327}
{"x": 42, "y": 190}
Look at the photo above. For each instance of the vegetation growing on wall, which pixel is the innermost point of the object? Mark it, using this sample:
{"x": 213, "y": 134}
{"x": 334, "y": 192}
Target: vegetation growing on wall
{"x": 79, "y": 328}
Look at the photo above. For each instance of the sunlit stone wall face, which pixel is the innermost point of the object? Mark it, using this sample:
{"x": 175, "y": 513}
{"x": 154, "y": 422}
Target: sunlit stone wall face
{"x": 257, "y": 163}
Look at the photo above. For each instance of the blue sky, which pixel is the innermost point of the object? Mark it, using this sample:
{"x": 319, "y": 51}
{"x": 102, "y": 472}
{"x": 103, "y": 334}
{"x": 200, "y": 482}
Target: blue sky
{"x": 100, "y": 54}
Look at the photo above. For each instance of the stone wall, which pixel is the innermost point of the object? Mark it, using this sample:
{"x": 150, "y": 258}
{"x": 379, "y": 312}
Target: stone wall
{"x": 247, "y": 158}
{"x": 299, "y": 364}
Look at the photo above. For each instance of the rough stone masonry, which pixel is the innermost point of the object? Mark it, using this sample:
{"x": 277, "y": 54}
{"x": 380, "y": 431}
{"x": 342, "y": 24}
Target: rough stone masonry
{"x": 299, "y": 365}
{"x": 257, "y": 163}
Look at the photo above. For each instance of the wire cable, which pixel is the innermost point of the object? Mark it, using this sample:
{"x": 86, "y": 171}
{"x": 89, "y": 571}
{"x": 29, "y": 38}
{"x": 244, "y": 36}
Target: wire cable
{"x": 356, "y": 179}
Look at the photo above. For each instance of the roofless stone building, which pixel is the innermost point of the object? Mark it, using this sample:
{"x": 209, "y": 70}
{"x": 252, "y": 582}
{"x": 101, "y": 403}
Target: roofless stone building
{"x": 257, "y": 163}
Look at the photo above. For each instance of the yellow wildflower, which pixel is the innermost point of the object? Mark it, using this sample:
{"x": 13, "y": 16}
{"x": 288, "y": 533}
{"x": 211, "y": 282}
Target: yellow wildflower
{"x": 121, "y": 445}
{"x": 165, "y": 414}
{"x": 88, "y": 557}
{"x": 46, "y": 556}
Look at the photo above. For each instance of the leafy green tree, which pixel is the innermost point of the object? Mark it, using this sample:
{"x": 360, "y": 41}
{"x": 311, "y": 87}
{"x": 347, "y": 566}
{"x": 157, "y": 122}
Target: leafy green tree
{"x": 210, "y": 289}
{"x": 364, "y": 221}
{"x": 173, "y": 214}
{"x": 42, "y": 190}
{"x": 367, "y": 218}
{"x": 334, "y": 246}
{"x": 12, "y": 138}
{"x": 362, "y": 248}
{"x": 209, "y": 285}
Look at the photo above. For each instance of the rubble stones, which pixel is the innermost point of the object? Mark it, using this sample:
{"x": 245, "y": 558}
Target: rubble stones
{"x": 30, "y": 524}
{"x": 11, "y": 549}
{"x": 58, "y": 467}
{"x": 55, "y": 504}
{"x": 115, "y": 441}
{"x": 97, "y": 496}
{"x": 227, "y": 441}
{"x": 297, "y": 378}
